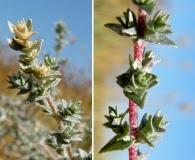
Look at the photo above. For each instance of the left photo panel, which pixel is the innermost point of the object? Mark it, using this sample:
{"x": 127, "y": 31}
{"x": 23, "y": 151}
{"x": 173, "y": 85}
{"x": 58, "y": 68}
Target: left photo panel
{"x": 46, "y": 80}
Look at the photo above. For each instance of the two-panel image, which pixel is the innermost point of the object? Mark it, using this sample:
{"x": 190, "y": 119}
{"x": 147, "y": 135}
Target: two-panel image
{"x": 97, "y": 80}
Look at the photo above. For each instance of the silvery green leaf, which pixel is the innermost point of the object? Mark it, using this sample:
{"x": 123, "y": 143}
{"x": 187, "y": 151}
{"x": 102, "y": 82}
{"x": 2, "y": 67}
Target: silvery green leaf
{"x": 124, "y": 131}
{"x": 31, "y": 98}
{"x": 122, "y": 80}
{"x": 118, "y": 28}
{"x": 70, "y": 119}
{"x": 52, "y": 82}
{"x": 151, "y": 128}
{"x": 54, "y": 73}
{"x": 51, "y": 62}
{"x": 116, "y": 121}
{"x": 158, "y": 38}
{"x": 136, "y": 65}
{"x": 148, "y": 128}
{"x": 47, "y": 110}
{"x": 114, "y": 144}
{"x": 128, "y": 20}
{"x": 127, "y": 26}
{"x": 130, "y": 32}
{"x": 22, "y": 92}
{"x": 142, "y": 138}
{"x": 83, "y": 154}
{"x": 139, "y": 101}
{"x": 146, "y": 5}
{"x": 51, "y": 141}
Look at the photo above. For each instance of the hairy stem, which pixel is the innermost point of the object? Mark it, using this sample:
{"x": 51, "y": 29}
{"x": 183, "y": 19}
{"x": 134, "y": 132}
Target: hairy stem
{"x": 51, "y": 155}
{"x": 139, "y": 46}
{"x": 53, "y": 108}
{"x": 60, "y": 123}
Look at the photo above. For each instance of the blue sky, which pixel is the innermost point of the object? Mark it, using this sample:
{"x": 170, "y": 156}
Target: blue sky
{"x": 175, "y": 94}
{"x": 76, "y": 14}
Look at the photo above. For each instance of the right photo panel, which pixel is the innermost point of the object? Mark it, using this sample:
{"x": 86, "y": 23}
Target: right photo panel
{"x": 143, "y": 80}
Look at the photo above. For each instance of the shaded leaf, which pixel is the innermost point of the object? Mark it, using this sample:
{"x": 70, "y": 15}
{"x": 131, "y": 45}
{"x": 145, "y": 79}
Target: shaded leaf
{"x": 114, "y": 144}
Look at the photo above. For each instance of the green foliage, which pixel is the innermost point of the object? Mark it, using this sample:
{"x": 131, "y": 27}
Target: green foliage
{"x": 146, "y": 5}
{"x": 38, "y": 78}
{"x": 150, "y": 128}
{"x": 127, "y": 26}
{"x": 154, "y": 31}
{"x": 63, "y": 138}
{"x": 61, "y": 30}
{"x": 28, "y": 134}
{"x": 119, "y": 126}
{"x": 136, "y": 81}
{"x": 69, "y": 112}
{"x": 159, "y": 23}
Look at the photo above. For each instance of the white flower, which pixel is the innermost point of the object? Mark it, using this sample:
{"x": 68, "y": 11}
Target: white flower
{"x": 22, "y": 30}
{"x": 41, "y": 70}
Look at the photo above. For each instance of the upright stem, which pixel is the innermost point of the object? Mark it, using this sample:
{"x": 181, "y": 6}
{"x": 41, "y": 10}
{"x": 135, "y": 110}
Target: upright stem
{"x": 60, "y": 123}
{"x": 133, "y": 108}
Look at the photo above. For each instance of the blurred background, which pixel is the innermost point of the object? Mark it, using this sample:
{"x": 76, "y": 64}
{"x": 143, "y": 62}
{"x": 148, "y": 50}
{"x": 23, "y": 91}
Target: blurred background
{"x": 175, "y": 93}
{"x": 76, "y": 84}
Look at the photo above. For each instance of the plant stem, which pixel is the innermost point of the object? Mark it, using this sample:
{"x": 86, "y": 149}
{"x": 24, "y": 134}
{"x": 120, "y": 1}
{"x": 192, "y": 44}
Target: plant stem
{"x": 139, "y": 46}
{"x": 51, "y": 155}
{"x": 60, "y": 123}
{"x": 23, "y": 129}
{"x": 53, "y": 108}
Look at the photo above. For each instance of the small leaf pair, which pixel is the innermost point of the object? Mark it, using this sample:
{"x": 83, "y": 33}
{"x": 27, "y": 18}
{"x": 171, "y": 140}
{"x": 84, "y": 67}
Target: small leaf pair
{"x": 127, "y": 26}
{"x": 69, "y": 112}
{"x": 117, "y": 123}
{"x": 154, "y": 31}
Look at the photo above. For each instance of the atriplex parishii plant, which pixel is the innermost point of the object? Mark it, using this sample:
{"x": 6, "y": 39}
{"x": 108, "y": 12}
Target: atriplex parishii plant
{"x": 37, "y": 79}
{"x": 61, "y": 30}
{"x": 137, "y": 80}
{"x": 28, "y": 135}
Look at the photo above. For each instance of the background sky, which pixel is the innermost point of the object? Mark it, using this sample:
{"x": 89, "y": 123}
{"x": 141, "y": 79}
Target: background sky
{"x": 175, "y": 93}
{"x": 76, "y": 14}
